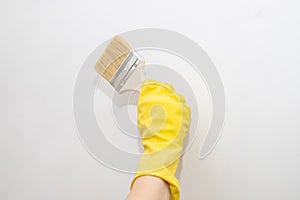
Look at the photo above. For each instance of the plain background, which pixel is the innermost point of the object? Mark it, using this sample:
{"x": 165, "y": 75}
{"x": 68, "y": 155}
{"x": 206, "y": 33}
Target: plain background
{"x": 254, "y": 43}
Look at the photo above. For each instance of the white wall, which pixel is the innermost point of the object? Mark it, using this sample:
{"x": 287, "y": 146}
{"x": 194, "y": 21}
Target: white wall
{"x": 254, "y": 44}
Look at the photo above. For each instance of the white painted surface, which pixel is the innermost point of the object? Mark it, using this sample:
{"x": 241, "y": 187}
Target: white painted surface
{"x": 254, "y": 44}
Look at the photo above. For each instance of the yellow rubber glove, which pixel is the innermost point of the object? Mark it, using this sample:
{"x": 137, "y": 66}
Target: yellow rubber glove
{"x": 163, "y": 121}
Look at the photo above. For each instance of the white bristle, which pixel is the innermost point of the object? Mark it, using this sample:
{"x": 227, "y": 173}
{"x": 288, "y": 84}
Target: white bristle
{"x": 112, "y": 58}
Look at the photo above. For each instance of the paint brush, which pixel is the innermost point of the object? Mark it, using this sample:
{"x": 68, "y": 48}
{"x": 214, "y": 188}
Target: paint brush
{"x": 122, "y": 67}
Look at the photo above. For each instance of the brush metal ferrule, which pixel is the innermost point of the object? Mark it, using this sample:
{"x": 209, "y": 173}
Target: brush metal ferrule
{"x": 125, "y": 70}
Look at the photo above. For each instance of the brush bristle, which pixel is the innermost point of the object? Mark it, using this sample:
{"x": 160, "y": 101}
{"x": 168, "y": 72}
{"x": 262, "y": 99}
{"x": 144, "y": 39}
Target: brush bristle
{"x": 112, "y": 58}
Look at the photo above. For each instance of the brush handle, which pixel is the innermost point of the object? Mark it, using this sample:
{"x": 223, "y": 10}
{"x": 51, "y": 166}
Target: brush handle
{"x": 135, "y": 80}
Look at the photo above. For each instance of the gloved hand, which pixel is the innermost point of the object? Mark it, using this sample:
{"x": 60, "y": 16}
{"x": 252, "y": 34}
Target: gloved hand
{"x": 163, "y": 121}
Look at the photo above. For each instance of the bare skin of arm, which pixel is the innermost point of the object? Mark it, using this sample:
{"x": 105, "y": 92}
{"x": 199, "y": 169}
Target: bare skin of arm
{"x": 149, "y": 188}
